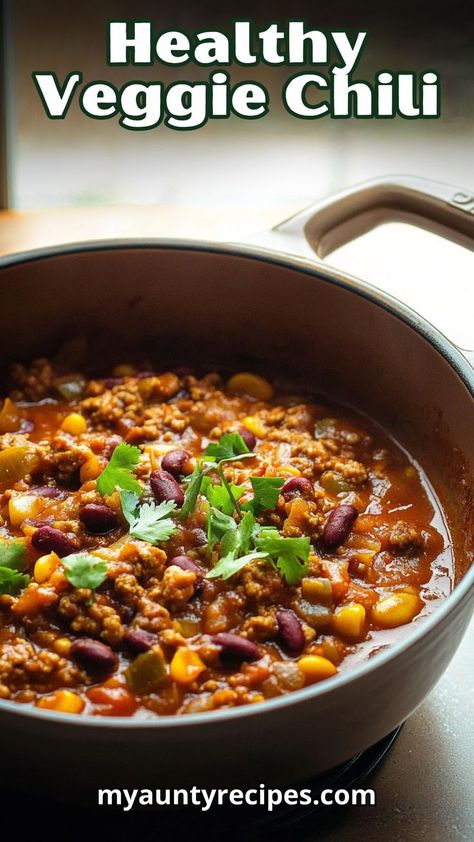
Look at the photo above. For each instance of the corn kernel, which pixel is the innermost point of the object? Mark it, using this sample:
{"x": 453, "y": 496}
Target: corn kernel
{"x": 22, "y": 506}
{"x": 288, "y": 471}
{"x": 91, "y": 469}
{"x": 186, "y": 666}
{"x": 259, "y": 697}
{"x": 251, "y": 385}
{"x": 255, "y": 425}
{"x": 45, "y": 567}
{"x": 28, "y": 529}
{"x": 62, "y": 646}
{"x": 349, "y": 621}
{"x": 64, "y": 701}
{"x": 146, "y": 387}
{"x": 316, "y": 668}
{"x": 74, "y": 424}
{"x": 396, "y": 610}
{"x": 124, "y": 370}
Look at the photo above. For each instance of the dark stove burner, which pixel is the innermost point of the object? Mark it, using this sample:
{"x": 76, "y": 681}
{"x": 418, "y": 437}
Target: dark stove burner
{"x": 234, "y": 824}
{"x": 348, "y": 776}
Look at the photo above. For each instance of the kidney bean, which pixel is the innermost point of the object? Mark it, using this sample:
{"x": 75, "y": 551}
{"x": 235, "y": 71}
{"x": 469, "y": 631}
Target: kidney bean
{"x": 290, "y": 631}
{"x": 49, "y": 491}
{"x": 355, "y": 566}
{"x": 110, "y": 382}
{"x": 93, "y": 656}
{"x": 235, "y": 646}
{"x": 174, "y": 462}
{"x": 47, "y": 539}
{"x": 142, "y": 375}
{"x": 297, "y": 486}
{"x": 185, "y": 563}
{"x": 165, "y": 487}
{"x": 98, "y": 518}
{"x": 339, "y": 525}
{"x": 110, "y": 445}
{"x": 38, "y": 522}
{"x": 139, "y": 640}
{"x": 124, "y": 425}
{"x": 200, "y": 537}
{"x": 248, "y": 438}
{"x": 125, "y": 612}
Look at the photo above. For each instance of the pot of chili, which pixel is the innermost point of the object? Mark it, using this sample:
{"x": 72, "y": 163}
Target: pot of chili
{"x": 207, "y": 570}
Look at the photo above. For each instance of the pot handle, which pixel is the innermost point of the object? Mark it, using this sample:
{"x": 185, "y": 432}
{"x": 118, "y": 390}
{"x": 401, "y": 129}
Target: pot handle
{"x": 320, "y": 229}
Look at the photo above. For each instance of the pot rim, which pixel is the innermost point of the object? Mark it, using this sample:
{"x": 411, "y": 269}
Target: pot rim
{"x": 328, "y": 274}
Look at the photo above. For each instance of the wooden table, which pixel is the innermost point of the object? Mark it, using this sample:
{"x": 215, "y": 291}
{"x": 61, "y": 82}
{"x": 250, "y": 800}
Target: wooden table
{"x": 24, "y": 230}
{"x": 425, "y": 788}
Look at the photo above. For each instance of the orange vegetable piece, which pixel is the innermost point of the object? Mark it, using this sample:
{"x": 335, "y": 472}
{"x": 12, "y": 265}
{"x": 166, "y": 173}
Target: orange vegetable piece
{"x": 64, "y": 701}
{"x": 112, "y": 699}
{"x": 33, "y": 600}
{"x": 336, "y": 572}
{"x": 364, "y": 596}
{"x": 298, "y": 514}
{"x": 186, "y": 666}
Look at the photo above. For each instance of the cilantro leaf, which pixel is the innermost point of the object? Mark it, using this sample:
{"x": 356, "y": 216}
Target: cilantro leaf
{"x": 289, "y": 554}
{"x": 230, "y": 544}
{"x": 229, "y": 565}
{"x": 12, "y": 565}
{"x": 192, "y": 491}
{"x": 235, "y": 544}
{"x": 218, "y": 524}
{"x": 84, "y": 570}
{"x": 130, "y": 503}
{"x": 119, "y": 471}
{"x": 230, "y": 446}
{"x": 236, "y": 537}
{"x": 245, "y": 530}
{"x": 266, "y": 491}
{"x": 11, "y": 581}
{"x": 148, "y": 522}
{"x": 12, "y": 555}
{"x": 218, "y": 495}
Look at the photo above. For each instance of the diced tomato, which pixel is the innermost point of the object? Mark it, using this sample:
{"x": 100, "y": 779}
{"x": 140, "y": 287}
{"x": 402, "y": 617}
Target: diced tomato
{"x": 112, "y": 699}
{"x": 364, "y": 596}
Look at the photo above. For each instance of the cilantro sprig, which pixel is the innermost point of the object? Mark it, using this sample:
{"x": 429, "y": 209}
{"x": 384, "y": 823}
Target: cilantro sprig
{"x": 266, "y": 491}
{"x": 84, "y": 570}
{"x": 289, "y": 555}
{"x": 148, "y": 521}
{"x": 241, "y": 543}
{"x": 218, "y": 495}
{"x": 235, "y": 545}
{"x": 119, "y": 472}
{"x": 12, "y": 565}
{"x": 230, "y": 448}
{"x": 230, "y": 523}
{"x": 192, "y": 491}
